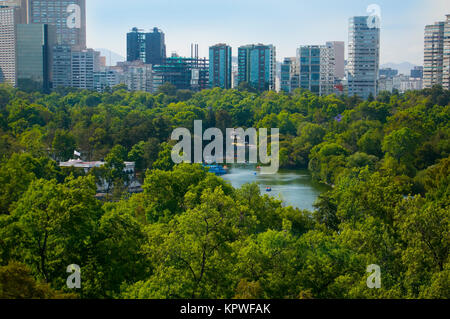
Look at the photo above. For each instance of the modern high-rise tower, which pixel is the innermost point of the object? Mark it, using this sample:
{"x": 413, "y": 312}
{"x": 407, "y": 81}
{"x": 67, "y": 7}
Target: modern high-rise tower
{"x": 68, "y": 17}
{"x": 317, "y": 68}
{"x": 220, "y": 66}
{"x": 363, "y": 57}
{"x": 135, "y": 45}
{"x": 155, "y": 47}
{"x": 149, "y": 47}
{"x": 257, "y": 66}
{"x": 436, "y": 69}
{"x": 84, "y": 63}
{"x": 25, "y": 55}
{"x": 34, "y": 52}
{"x": 9, "y": 18}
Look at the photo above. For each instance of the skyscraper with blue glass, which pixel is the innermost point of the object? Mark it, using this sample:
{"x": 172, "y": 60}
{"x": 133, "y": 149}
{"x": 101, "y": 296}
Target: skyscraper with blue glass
{"x": 220, "y": 66}
{"x": 257, "y": 66}
{"x": 363, "y": 57}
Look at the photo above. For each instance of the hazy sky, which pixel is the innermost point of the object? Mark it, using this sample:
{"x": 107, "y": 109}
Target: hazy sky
{"x": 284, "y": 23}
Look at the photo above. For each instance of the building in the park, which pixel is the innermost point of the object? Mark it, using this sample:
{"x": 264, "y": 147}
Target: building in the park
{"x": 148, "y": 47}
{"x": 220, "y": 64}
{"x": 436, "y": 70}
{"x": 257, "y": 66}
{"x": 34, "y": 56}
{"x": 316, "y": 68}
{"x": 67, "y": 16}
{"x": 83, "y": 65}
{"x": 103, "y": 186}
{"x": 417, "y": 72}
{"x": 363, "y": 57}
{"x": 388, "y": 73}
{"x": 289, "y": 78}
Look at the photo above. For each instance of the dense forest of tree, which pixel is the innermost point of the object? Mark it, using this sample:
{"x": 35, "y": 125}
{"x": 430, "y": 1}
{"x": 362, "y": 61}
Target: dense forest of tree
{"x": 190, "y": 234}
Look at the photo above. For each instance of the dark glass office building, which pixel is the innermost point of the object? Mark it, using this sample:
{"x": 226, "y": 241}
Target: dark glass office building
{"x": 155, "y": 47}
{"x": 135, "y": 45}
{"x": 34, "y": 52}
{"x": 149, "y": 48}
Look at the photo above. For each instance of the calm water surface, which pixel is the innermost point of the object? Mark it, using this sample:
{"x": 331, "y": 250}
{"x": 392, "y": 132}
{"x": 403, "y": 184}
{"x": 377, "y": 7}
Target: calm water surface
{"x": 294, "y": 188}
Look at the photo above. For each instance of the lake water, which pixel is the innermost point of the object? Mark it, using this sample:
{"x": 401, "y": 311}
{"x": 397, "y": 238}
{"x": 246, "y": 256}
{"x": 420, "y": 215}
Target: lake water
{"x": 294, "y": 188}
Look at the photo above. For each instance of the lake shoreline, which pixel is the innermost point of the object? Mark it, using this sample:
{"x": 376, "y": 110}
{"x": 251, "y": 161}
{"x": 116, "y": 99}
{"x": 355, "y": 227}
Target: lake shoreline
{"x": 295, "y": 188}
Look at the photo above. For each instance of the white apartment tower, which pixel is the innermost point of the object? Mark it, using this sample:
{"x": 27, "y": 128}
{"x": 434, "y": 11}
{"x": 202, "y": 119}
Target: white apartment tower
{"x": 363, "y": 57}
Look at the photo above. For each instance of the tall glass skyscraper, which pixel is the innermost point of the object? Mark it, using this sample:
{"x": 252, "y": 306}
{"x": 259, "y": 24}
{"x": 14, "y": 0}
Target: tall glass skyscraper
{"x": 257, "y": 66}
{"x": 363, "y": 57}
{"x": 34, "y": 50}
{"x": 149, "y": 47}
{"x": 68, "y": 17}
{"x": 135, "y": 45}
{"x": 155, "y": 47}
{"x": 220, "y": 66}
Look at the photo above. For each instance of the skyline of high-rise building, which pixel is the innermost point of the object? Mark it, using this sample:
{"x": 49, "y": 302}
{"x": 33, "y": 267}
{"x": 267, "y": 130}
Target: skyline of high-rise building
{"x": 256, "y": 63}
{"x": 220, "y": 60}
{"x": 363, "y": 57}
{"x": 257, "y": 66}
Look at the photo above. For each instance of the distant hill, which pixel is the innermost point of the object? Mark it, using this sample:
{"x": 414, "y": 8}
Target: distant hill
{"x": 111, "y": 57}
{"x": 403, "y": 68}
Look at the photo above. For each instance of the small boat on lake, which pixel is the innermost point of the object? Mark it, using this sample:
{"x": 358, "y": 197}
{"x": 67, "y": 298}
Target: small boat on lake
{"x": 268, "y": 189}
{"x": 216, "y": 169}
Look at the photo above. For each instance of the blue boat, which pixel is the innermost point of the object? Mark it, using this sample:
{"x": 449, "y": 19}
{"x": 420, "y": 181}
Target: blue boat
{"x": 216, "y": 169}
